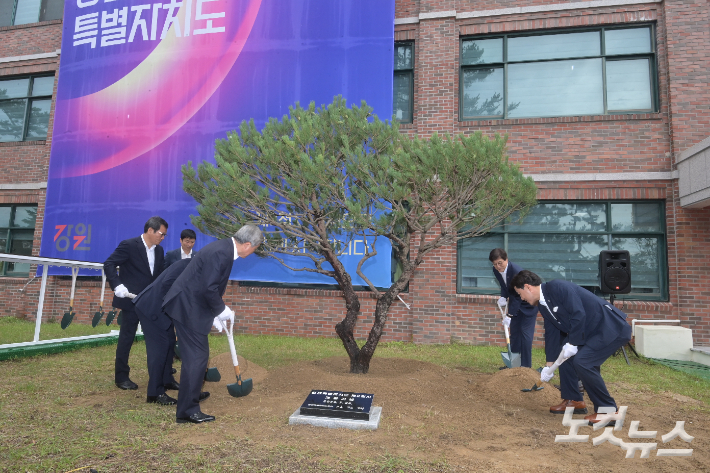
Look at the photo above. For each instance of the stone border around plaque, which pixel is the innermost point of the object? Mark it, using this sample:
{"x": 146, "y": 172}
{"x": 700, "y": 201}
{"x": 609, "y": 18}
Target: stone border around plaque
{"x": 337, "y": 423}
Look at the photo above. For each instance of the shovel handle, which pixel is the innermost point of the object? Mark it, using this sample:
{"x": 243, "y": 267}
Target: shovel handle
{"x": 232, "y": 350}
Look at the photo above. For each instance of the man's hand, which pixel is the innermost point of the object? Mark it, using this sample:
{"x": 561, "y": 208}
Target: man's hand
{"x": 506, "y": 321}
{"x": 568, "y": 350}
{"x": 216, "y": 323}
{"x": 502, "y": 302}
{"x": 227, "y": 314}
{"x": 546, "y": 374}
{"x": 121, "y": 291}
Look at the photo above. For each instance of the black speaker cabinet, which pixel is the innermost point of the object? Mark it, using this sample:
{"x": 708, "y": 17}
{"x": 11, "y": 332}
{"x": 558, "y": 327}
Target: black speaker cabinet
{"x": 615, "y": 272}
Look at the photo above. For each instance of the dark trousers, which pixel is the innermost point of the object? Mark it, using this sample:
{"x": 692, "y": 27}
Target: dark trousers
{"x": 159, "y": 347}
{"x": 194, "y": 353}
{"x": 586, "y": 365}
{"x": 522, "y": 332}
{"x": 126, "y": 335}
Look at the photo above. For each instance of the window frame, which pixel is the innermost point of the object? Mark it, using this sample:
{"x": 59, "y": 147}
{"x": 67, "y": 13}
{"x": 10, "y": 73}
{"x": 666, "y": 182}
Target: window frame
{"x": 660, "y": 235}
{"x": 406, "y": 72}
{"x": 8, "y": 231}
{"x": 29, "y": 98}
{"x": 652, "y": 57}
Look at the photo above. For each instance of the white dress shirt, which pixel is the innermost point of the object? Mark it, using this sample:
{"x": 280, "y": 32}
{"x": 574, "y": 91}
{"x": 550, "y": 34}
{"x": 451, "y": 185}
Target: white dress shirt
{"x": 184, "y": 255}
{"x": 150, "y": 250}
{"x": 234, "y": 242}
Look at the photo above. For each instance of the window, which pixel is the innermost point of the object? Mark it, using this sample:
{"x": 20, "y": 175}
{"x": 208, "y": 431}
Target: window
{"x": 562, "y": 240}
{"x": 17, "y": 228}
{"x": 21, "y": 12}
{"x": 24, "y": 108}
{"x": 589, "y": 72}
{"x": 403, "y": 96}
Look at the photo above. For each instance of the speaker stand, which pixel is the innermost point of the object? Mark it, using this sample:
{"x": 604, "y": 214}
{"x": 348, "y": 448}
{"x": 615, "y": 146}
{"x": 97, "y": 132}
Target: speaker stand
{"x": 623, "y": 350}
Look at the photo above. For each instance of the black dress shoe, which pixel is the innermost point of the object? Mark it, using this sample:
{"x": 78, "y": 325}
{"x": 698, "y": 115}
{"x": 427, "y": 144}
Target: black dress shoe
{"x": 196, "y": 418}
{"x": 174, "y": 385}
{"x": 174, "y": 371}
{"x": 162, "y": 399}
{"x": 127, "y": 384}
{"x": 203, "y": 395}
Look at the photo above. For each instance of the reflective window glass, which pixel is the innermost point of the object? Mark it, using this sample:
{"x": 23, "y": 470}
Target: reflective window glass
{"x": 628, "y": 85}
{"x": 27, "y": 11}
{"x": 628, "y": 41}
{"x": 475, "y": 271}
{"x": 482, "y": 51}
{"x": 560, "y": 217}
{"x": 403, "y": 56}
{"x": 635, "y": 217}
{"x": 5, "y": 213}
{"x": 42, "y": 85}
{"x": 559, "y": 88}
{"x": 645, "y": 257}
{"x": 12, "y": 119}
{"x": 39, "y": 120}
{"x": 25, "y": 217}
{"x": 10, "y": 89}
{"x": 554, "y": 46}
{"x": 482, "y": 92}
{"x": 403, "y": 97}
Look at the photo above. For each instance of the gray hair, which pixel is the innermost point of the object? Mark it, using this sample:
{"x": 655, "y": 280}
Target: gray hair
{"x": 249, "y": 234}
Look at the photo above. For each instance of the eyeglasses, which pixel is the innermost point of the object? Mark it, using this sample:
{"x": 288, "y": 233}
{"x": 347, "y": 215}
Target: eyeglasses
{"x": 162, "y": 235}
{"x": 499, "y": 264}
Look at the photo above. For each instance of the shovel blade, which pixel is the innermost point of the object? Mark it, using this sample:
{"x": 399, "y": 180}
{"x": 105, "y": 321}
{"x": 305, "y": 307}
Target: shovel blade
{"x": 240, "y": 390}
{"x": 120, "y": 318}
{"x": 66, "y": 320}
{"x": 511, "y": 360}
{"x": 177, "y": 350}
{"x": 110, "y": 316}
{"x": 212, "y": 375}
{"x": 97, "y": 318}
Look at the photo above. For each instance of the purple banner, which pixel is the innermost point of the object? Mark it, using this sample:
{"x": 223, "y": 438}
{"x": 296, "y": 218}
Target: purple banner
{"x": 146, "y": 87}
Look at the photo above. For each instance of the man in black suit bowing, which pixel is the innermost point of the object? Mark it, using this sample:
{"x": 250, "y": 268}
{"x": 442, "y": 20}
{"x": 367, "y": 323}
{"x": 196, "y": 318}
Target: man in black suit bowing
{"x": 140, "y": 261}
{"x": 187, "y": 241}
{"x": 194, "y": 303}
{"x": 591, "y": 330}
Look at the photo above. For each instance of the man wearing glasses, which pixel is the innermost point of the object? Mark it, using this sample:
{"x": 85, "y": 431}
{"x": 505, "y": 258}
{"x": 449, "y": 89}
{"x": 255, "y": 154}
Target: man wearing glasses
{"x": 521, "y": 315}
{"x": 140, "y": 261}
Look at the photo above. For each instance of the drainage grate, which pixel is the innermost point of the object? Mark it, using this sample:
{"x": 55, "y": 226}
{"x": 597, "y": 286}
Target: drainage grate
{"x": 690, "y": 367}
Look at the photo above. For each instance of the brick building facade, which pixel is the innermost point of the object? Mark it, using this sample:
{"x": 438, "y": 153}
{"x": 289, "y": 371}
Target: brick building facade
{"x": 656, "y": 156}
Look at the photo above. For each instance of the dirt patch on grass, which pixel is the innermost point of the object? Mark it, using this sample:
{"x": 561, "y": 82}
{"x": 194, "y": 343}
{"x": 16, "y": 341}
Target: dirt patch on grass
{"x": 457, "y": 418}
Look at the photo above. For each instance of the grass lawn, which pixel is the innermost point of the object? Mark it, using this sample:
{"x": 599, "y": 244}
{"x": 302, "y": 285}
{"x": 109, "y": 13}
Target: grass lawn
{"x": 46, "y": 424}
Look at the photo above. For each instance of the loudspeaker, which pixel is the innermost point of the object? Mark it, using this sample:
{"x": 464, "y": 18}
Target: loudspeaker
{"x": 615, "y": 272}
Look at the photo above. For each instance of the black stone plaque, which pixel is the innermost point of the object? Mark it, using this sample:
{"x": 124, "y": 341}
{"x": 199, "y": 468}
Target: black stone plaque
{"x": 338, "y": 404}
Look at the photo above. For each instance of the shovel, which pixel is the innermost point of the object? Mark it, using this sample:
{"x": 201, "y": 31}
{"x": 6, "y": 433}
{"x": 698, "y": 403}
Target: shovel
{"x": 240, "y": 388}
{"x": 69, "y": 315}
{"x": 510, "y": 359}
{"x": 109, "y": 317}
{"x": 538, "y": 385}
{"x": 212, "y": 375}
{"x": 100, "y": 313}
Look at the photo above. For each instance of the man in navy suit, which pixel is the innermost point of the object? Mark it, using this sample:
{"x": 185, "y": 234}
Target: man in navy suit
{"x": 159, "y": 333}
{"x": 187, "y": 241}
{"x": 194, "y": 303}
{"x": 591, "y": 330}
{"x": 140, "y": 261}
{"x": 521, "y": 315}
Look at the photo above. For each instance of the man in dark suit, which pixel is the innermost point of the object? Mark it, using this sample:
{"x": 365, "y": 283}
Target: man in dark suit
{"x": 140, "y": 261}
{"x": 521, "y": 315}
{"x": 159, "y": 333}
{"x": 591, "y": 330}
{"x": 194, "y": 303}
{"x": 187, "y": 241}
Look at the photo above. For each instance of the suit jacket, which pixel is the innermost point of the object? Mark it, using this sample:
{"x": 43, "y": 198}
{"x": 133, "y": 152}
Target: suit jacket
{"x": 516, "y": 306}
{"x": 584, "y": 317}
{"x": 195, "y": 297}
{"x": 149, "y": 302}
{"x": 132, "y": 258}
{"x": 174, "y": 256}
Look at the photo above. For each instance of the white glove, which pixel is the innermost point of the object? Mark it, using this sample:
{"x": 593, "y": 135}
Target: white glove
{"x": 121, "y": 291}
{"x": 131, "y": 296}
{"x": 506, "y": 321}
{"x": 502, "y": 302}
{"x": 216, "y": 323}
{"x": 227, "y": 314}
{"x": 546, "y": 374}
{"x": 568, "y": 350}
